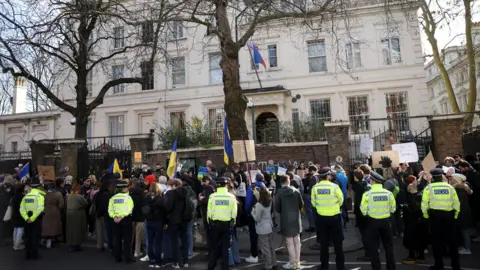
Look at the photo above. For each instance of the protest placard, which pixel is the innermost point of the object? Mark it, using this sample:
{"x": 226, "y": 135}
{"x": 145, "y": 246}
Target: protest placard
{"x": 407, "y": 152}
{"x": 366, "y": 146}
{"x": 47, "y": 173}
{"x": 377, "y": 158}
{"x": 428, "y": 162}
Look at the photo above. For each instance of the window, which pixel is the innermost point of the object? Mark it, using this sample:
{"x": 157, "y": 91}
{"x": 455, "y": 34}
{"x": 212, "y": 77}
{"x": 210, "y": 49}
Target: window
{"x": 431, "y": 93}
{"x": 320, "y": 109}
{"x": 272, "y": 56}
{"x": 295, "y": 115}
{"x": 147, "y": 32}
{"x": 178, "y": 71}
{"x": 148, "y": 75}
{"x": 176, "y": 31}
{"x": 118, "y": 37}
{"x": 358, "y": 114}
{"x": 354, "y": 59}
{"x": 89, "y": 83}
{"x": 317, "y": 59}
{"x": 462, "y": 102}
{"x": 397, "y": 110}
{"x": 117, "y": 73}
{"x": 215, "y": 69}
{"x": 391, "y": 51}
{"x": 215, "y": 121}
{"x": 295, "y": 5}
{"x": 116, "y": 130}
{"x": 177, "y": 120}
{"x": 444, "y": 107}
{"x": 89, "y": 131}
{"x": 14, "y": 147}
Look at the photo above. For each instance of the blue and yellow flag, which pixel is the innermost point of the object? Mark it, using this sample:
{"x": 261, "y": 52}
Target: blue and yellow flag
{"x": 25, "y": 171}
{"x": 115, "y": 168}
{"x": 172, "y": 164}
{"x": 227, "y": 143}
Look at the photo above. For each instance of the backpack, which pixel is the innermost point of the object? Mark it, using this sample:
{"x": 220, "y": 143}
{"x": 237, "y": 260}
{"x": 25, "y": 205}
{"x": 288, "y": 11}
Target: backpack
{"x": 191, "y": 203}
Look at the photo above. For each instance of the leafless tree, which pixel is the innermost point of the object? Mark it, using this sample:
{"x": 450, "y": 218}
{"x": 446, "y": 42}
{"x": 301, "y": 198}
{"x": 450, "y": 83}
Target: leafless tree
{"x": 75, "y": 39}
{"x": 5, "y": 95}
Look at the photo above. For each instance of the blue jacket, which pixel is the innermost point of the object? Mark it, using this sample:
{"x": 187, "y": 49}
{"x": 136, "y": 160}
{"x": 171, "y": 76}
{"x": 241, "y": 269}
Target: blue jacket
{"x": 250, "y": 200}
{"x": 343, "y": 180}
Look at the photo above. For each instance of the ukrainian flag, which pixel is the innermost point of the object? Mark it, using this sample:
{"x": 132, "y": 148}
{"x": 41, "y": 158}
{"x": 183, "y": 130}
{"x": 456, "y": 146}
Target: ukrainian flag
{"x": 172, "y": 164}
{"x": 227, "y": 143}
{"x": 115, "y": 168}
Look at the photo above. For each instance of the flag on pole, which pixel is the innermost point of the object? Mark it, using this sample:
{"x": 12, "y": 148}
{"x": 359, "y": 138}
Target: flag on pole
{"x": 115, "y": 168}
{"x": 227, "y": 143}
{"x": 25, "y": 171}
{"x": 172, "y": 164}
{"x": 257, "y": 57}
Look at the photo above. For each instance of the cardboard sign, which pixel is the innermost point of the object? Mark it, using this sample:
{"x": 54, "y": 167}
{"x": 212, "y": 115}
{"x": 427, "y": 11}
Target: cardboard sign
{"x": 366, "y": 146}
{"x": 46, "y": 172}
{"x": 138, "y": 157}
{"x": 377, "y": 158}
{"x": 281, "y": 171}
{"x": 428, "y": 162}
{"x": 407, "y": 152}
{"x": 239, "y": 148}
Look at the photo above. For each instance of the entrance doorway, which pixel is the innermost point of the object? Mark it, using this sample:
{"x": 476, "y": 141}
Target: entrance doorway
{"x": 267, "y": 128}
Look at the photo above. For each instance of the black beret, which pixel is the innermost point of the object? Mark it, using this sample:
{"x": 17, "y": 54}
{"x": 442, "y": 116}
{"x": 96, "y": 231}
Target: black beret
{"x": 376, "y": 177}
{"x": 324, "y": 171}
{"x": 121, "y": 184}
{"x": 436, "y": 172}
{"x": 222, "y": 180}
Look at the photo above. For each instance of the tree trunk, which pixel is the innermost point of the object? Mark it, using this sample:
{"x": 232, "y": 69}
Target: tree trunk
{"x": 472, "y": 76}
{"x": 81, "y": 124}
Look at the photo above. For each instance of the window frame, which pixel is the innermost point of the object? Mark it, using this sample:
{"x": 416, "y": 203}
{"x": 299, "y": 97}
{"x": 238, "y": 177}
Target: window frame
{"x": 216, "y": 124}
{"x": 310, "y": 57}
{"x": 173, "y": 31}
{"x": 118, "y": 41}
{"x": 389, "y": 48}
{"x": 120, "y": 88}
{"x": 14, "y": 147}
{"x": 147, "y": 31}
{"x": 89, "y": 83}
{"x": 322, "y": 107}
{"x": 350, "y": 47}
{"x": 360, "y": 123}
{"x": 215, "y": 69}
{"x": 147, "y": 69}
{"x": 270, "y": 56}
{"x": 116, "y": 139}
{"x": 182, "y": 117}
{"x": 399, "y": 116}
{"x": 176, "y": 72}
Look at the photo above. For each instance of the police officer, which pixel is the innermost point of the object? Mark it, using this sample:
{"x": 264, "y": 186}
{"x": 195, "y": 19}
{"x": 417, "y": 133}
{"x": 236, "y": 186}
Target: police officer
{"x": 221, "y": 215}
{"x": 31, "y": 210}
{"x": 378, "y": 204}
{"x": 120, "y": 209}
{"x": 327, "y": 199}
{"x": 441, "y": 206}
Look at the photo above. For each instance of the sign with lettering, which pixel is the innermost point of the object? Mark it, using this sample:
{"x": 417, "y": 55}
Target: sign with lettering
{"x": 407, "y": 152}
{"x": 138, "y": 157}
{"x": 243, "y": 151}
{"x": 377, "y": 158}
{"x": 366, "y": 146}
{"x": 428, "y": 162}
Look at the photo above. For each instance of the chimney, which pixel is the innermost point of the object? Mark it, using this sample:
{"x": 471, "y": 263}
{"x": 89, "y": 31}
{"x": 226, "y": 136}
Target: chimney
{"x": 19, "y": 96}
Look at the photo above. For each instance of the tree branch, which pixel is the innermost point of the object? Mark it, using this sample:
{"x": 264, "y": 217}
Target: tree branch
{"x": 99, "y": 99}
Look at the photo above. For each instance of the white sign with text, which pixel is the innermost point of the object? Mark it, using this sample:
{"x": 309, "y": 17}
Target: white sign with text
{"x": 407, "y": 152}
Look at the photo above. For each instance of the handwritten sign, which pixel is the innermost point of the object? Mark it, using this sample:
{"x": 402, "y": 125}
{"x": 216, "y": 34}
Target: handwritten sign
{"x": 137, "y": 157}
{"x": 407, "y": 152}
{"x": 366, "y": 146}
{"x": 46, "y": 172}
{"x": 428, "y": 162}
{"x": 239, "y": 148}
{"x": 377, "y": 158}
{"x": 281, "y": 171}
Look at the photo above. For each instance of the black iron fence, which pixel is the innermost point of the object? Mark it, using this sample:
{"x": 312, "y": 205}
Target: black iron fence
{"x": 471, "y": 141}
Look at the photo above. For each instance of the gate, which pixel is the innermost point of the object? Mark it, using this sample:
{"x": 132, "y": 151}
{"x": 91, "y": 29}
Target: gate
{"x": 387, "y": 133}
{"x": 10, "y": 160}
{"x": 100, "y": 153}
{"x": 471, "y": 141}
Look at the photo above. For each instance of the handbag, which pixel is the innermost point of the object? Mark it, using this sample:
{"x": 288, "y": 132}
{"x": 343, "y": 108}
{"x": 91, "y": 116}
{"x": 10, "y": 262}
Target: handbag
{"x": 242, "y": 189}
{"x": 8, "y": 214}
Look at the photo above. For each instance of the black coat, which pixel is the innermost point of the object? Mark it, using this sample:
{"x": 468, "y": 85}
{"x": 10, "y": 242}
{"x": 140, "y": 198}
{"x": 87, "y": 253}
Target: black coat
{"x": 416, "y": 233}
{"x": 138, "y": 197}
{"x": 175, "y": 205}
{"x": 102, "y": 198}
{"x": 465, "y": 218}
{"x": 157, "y": 208}
{"x": 473, "y": 180}
{"x": 358, "y": 190}
{"x": 17, "y": 219}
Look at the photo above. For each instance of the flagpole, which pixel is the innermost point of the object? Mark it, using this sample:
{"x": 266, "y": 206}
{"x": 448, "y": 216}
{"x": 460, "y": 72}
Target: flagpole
{"x": 255, "y": 65}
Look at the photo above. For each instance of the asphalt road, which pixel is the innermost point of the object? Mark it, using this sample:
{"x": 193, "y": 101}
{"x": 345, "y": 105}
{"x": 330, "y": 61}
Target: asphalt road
{"x": 92, "y": 259}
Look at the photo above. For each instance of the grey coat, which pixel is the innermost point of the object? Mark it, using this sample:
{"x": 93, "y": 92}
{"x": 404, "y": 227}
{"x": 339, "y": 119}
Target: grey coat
{"x": 263, "y": 219}
{"x": 288, "y": 203}
{"x": 76, "y": 231}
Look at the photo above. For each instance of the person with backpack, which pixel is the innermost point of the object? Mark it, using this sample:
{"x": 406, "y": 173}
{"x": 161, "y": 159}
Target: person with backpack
{"x": 190, "y": 212}
{"x": 208, "y": 189}
{"x": 175, "y": 200}
{"x": 154, "y": 212}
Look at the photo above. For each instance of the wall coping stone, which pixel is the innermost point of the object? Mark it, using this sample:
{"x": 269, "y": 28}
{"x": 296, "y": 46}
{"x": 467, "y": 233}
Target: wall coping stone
{"x": 141, "y": 136}
{"x": 337, "y": 124}
{"x": 445, "y": 117}
{"x": 296, "y": 144}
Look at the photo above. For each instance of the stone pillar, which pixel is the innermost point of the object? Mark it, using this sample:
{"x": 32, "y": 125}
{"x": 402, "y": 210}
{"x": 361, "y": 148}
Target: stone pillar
{"x": 141, "y": 144}
{"x": 70, "y": 150}
{"x": 447, "y": 136}
{"x": 40, "y": 149}
{"x": 338, "y": 143}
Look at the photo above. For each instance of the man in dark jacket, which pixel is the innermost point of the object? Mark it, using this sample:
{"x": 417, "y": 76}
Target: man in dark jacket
{"x": 138, "y": 196}
{"x": 175, "y": 206}
{"x": 308, "y": 182}
{"x": 473, "y": 179}
{"x": 6, "y": 192}
{"x": 359, "y": 186}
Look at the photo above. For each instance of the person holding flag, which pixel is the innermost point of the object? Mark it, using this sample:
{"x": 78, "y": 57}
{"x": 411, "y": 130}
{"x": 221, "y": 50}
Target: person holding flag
{"x": 24, "y": 173}
{"x": 172, "y": 164}
{"x": 115, "y": 168}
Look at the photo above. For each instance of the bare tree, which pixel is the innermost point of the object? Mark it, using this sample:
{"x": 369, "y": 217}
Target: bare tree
{"x": 76, "y": 38}
{"x": 437, "y": 16}
{"x": 5, "y": 95}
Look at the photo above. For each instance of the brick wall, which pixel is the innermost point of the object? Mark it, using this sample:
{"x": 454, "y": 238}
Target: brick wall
{"x": 447, "y": 136}
{"x": 316, "y": 152}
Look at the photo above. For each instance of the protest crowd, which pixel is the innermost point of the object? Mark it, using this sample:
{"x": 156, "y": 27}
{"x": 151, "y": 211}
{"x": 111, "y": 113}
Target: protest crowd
{"x": 151, "y": 214}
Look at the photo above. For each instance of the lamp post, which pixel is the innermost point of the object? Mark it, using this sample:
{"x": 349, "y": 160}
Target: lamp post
{"x": 251, "y": 105}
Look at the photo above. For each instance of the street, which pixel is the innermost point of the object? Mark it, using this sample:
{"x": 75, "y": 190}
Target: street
{"x": 90, "y": 258}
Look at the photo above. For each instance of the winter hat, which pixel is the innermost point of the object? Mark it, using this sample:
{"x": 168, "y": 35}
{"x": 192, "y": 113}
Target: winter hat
{"x": 411, "y": 179}
{"x": 459, "y": 178}
{"x": 259, "y": 177}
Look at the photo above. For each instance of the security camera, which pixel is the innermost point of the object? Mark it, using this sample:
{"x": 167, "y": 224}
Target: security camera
{"x": 73, "y": 121}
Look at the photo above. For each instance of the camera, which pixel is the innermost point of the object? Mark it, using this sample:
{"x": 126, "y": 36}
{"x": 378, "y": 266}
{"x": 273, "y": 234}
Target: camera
{"x": 73, "y": 121}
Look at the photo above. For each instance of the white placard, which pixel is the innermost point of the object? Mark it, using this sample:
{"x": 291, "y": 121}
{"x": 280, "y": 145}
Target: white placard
{"x": 366, "y": 146}
{"x": 407, "y": 152}
{"x": 281, "y": 171}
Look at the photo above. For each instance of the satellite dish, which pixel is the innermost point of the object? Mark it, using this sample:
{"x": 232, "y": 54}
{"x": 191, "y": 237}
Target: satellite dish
{"x": 294, "y": 99}
{"x": 298, "y": 96}
{"x": 339, "y": 159}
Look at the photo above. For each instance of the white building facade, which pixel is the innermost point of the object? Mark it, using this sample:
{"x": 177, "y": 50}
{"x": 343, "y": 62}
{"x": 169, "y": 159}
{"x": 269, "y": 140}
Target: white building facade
{"x": 370, "y": 72}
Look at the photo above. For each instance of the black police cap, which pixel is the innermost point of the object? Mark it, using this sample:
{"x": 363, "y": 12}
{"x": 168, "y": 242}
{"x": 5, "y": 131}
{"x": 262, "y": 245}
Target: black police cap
{"x": 222, "y": 180}
{"x": 377, "y": 177}
{"x": 121, "y": 184}
{"x": 324, "y": 171}
{"x": 436, "y": 172}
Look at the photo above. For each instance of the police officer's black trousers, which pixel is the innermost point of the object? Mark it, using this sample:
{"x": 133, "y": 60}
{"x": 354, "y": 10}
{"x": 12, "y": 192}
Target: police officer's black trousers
{"x": 442, "y": 227}
{"x": 122, "y": 237}
{"x": 33, "y": 232}
{"x": 220, "y": 233}
{"x": 330, "y": 230}
{"x": 380, "y": 230}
